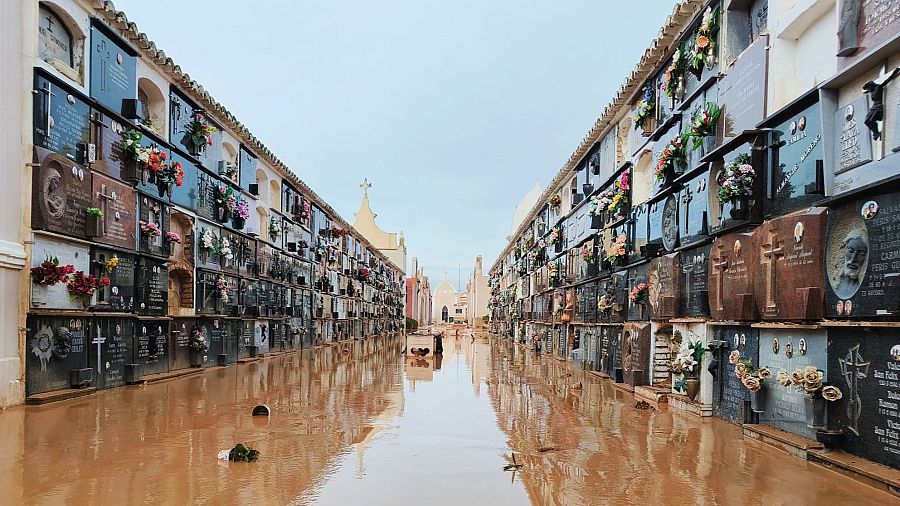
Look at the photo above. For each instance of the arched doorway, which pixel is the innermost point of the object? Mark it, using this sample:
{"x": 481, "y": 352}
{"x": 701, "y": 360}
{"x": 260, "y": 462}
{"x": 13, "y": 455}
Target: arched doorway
{"x": 445, "y": 314}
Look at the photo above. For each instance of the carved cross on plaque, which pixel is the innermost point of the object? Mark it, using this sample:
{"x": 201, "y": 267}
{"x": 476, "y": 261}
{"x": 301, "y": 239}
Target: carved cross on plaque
{"x": 104, "y": 205}
{"x": 770, "y": 259}
{"x": 719, "y": 268}
{"x": 686, "y": 199}
{"x": 104, "y": 64}
{"x": 853, "y": 369}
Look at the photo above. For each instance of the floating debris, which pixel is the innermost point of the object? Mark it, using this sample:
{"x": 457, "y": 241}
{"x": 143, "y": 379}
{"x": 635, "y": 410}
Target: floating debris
{"x": 514, "y": 466}
{"x": 576, "y": 386}
{"x": 241, "y": 453}
{"x": 545, "y": 449}
{"x": 643, "y": 405}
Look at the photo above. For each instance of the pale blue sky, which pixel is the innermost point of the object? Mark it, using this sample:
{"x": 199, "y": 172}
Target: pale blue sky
{"x": 453, "y": 109}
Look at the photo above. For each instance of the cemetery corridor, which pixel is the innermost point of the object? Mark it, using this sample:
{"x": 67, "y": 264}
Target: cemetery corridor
{"x": 361, "y": 423}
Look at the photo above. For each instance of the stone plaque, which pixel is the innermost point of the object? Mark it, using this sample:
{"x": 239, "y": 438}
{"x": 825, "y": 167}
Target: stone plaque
{"x": 789, "y": 274}
{"x": 247, "y": 163}
{"x": 246, "y": 337}
{"x": 853, "y": 147}
{"x": 181, "y": 113}
{"x": 637, "y": 275}
{"x": 655, "y": 228}
{"x": 266, "y": 300}
{"x": 864, "y": 25}
{"x": 795, "y": 162}
{"x": 118, "y": 203}
{"x": 670, "y": 222}
{"x": 112, "y": 342}
{"x": 230, "y": 306}
{"x": 208, "y": 258}
{"x": 233, "y": 243}
{"x": 113, "y": 68}
{"x": 152, "y": 211}
{"x": 694, "y": 215}
{"x": 636, "y": 353}
{"x": 54, "y": 345}
{"x": 743, "y": 90}
{"x": 865, "y": 364}
{"x": 663, "y": 284}
{"x": 207, "y": 297}
{"x": 731, "y": 278}
{"x": 61, "y": 119}
{"x": 119, "y": 295}
{"x": 151, "y": 341}
{"x": 249, "y": 294}
{"x": 179, "y": 347}
{"x": 261, "y": 336}
{"x": 693, "y": 278}
{"x": 106, "y": 135}
{"x": 214, "y": 332}
{"x": 60, "y": 195}
{"x": 211, "y": 154}
{"x": 152, "y": 287}
{"x": 56, "y": 296}
{"x": 611, "y": 351}
{"x": 862, "y": 258}
{"x": 730, "y": 396}
{"x": 188, "y": 194}
{"x": 789, "y": 350}
{"x": 638, "y": 232}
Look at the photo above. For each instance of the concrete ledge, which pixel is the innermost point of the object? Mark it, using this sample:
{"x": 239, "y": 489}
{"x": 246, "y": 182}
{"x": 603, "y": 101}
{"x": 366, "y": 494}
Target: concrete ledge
{"x": 249, "y": 360}
{"x": 654, "y": 395}
{"x": 625, "y": 387}
{"x": 685, "y": 404}
{"x": 177, "y": 373}
{"x": 788, "y": 442}
{"x": 59, "y": 395}
{"x": 862, "y": 470}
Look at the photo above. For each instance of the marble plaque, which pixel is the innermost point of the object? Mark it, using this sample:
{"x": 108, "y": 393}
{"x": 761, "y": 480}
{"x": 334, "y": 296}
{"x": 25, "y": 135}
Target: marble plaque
{"x": 112, "y": 342}
{"x": 61, "y": 119}
{"x": 119, "y": 295}
{"x": 153, "y": 211}
{"x": 693, "y": 276}
{"x": 61, "y": 193}
{"x": 262, "y": 337}
{"x": 731, "y": 278}
{"x": 181, "y": 112}
{"x": 118, "y": 202}
{"x": 730, "y": 397}
{"x": 862, "y": 258}
{"x": 663, "y": 285}
{"x": 113, "y": 68}
{"x": 669, "y": 225}
{"x": 246, "y": 337}
{"x": 74, "y": 254}
{"x": 853, "y": 146}
{"x": 865, "y": 364}
{"x": 788, "y": 350}
{"x": 637, "y": 275}
{"x": 638, "y": 232}
{"x": 54, "y": 345}
{"x": 875, "y": 22}
{"x": 611, "y": 351}
{"x": 636, "y": 353}
{"x": 188, "y": 194}
{"x": 152, "y": 287}
{"x": 205, "y": 292}
{"x": 151, "y": 341}
{"x": 743, "y": 90}
{"x": 179, "y": 343}
{"x": 793, "y": 160}
{"x": 789, "y": 273}
{"x": 214, "y": 332}
{"x": 106, "y": 135}
{"x": 247, "y": 163}
{"x": 693, "y": 210}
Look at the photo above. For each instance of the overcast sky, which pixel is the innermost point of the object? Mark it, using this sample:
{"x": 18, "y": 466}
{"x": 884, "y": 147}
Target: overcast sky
{"x": 453, "y": 109}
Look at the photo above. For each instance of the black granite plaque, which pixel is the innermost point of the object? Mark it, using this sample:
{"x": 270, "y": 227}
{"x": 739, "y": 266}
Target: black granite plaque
{"x": 611, "y": 351}
{"x": 853, "y": 145}
{"x": 865, "y": 364}
{"x": 247, "y": 163}
{"x": 862, "y": 258}
{"x": 152, "y": 211}
{"x": 211, "y": 154}
{"x": 669, "y": 225}
{"x": 119, "y": 295}
{"x": 151, "y": 346}
{"x": 208, "y": 241}
{"x": 797, "y": 151}
{"x": 181, "y": 113}
{"x": 693, "y": 292}
{"x": 638, "y": 232}
{"x": 152, "y": 287}
{"x": 637, "y": 275}
{"x": 730, "y": 396}
{"x": 179, "y": 343}
{"x": 106, "y": 135}
{"x": 112, "y": 342}
{"x": 206, "y": 206}
{"x": 206, "y": 295}
{"x": 230, "y": 243}
{"x": 247, "y": 333}
{"x": 233, "y": 344}
{"x": 655, "y": 228}
{"x": 214, "y": 330}
{"x": 61, "y": 193}
{"x": 151, "y": 187}
{"x": 54, "y": 345}
{"x": 247, "y": 248}
{"x": 113, "y": 68}
{"x": 694, "y": 219}
{"x": 231, "y": 305}
{"x": 61, "y": 119}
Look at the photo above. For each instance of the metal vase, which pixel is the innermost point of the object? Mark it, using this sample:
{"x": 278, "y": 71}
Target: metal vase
{"x": 692, "y": 385}
{"x": 815, "y": 412}
{"x": 145, "y": 176}
{"x": 711, "y": 55}
{"x": 740, "y": 208}
{"x": 758, "y": 400}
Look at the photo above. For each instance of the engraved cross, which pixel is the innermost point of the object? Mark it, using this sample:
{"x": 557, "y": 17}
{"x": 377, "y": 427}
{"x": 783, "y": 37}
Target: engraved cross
{"x": 770, "y": 258}
{"x": 720, "y": 265}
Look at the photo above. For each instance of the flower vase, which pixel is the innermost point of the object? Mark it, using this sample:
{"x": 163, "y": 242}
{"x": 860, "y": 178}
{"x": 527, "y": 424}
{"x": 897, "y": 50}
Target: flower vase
{"x": 679, "y": 166}
{"x": 597, "y": 221}
{"x": 692, "y": 385}
{"x": 641, "y": 309}
{"x": 238, "y": 222}
{"x": 170, "y": 190}
{"x": 711, "y": 55}
{"x": 130, "y": 171}
{"x": 145, "y": 176}
{"x": 679, "y": 89}
{"x": 758, "y": 400}
{"x": 740, "y": 208}
{"x": 588, "y": 189}
{"x": 86, "y": 301}
{"x": 162, "y": 188}
{"x": 647, "y": 128}
{"x": 196, "y": 359}
{"x": 815, "y": 412}
{"x": 223, "y": 214}
{"x": 93, "y": 226}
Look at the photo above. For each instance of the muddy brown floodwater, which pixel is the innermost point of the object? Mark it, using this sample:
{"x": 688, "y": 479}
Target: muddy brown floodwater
{"x": 371, "y": 427}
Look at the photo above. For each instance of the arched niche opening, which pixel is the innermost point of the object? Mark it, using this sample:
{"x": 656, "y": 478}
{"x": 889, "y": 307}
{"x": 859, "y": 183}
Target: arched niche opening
{"x": 229, "y": 168}
{"x": 61, "y": 41}
{"x": 275, "y": 195}
{"x": 644, "y": 178}
{"x": 153, "y": 106}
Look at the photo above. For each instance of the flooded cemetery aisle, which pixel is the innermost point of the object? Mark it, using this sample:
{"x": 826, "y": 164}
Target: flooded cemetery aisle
{"x": 367, "y": 425}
